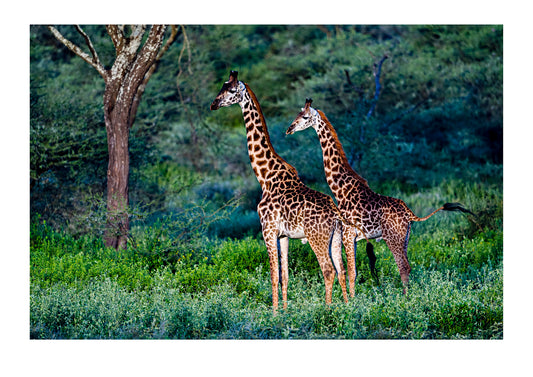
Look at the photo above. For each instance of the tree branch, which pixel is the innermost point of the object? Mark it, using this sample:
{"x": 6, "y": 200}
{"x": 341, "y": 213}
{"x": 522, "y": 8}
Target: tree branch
{"x": 125, "y": 61}
{"x": 94, "y": 61}
{"x": 89, "y": 44}
{"x": 117, "y": 36}
{"x": 170, "y": 40}
{"x": 377, "y": 74}
{"x": 186, "y": 45}
{"x": 358, "y": 89}
{"x": 164, "y": 49}
{"x": 151, "y": 70}
{"x": 405, "y": 113}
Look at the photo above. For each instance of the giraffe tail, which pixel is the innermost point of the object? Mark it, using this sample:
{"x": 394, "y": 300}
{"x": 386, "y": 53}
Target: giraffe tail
{"x": 445, "y": 207}
{"x": 372, "y": 260}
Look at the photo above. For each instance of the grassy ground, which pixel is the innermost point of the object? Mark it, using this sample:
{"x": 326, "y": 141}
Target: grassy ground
{"x": 221, "y": 289}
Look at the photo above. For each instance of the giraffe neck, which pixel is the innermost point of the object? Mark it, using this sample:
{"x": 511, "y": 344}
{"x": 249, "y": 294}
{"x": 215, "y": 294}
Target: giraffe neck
{"x": 339, "y": 174}
{"x": 266, "y": 163}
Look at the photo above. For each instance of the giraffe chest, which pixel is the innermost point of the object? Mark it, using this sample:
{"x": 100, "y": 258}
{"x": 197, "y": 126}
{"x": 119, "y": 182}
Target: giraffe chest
{"x": 290, "y": 229}
{"x": 282, "y": 216}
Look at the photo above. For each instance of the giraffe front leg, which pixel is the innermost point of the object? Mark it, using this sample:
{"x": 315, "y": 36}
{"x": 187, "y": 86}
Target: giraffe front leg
{"x": 283, "y": 247}
{"x": 271, "y": 242}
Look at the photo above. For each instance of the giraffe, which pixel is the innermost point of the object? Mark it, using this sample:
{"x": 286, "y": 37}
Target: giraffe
{"x": 288, "y": 208}
{"x": 381, "y": 217}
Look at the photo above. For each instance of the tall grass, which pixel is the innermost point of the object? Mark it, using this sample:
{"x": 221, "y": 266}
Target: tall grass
{"x": 438, "y": 306}
{"x": 221, "y": 289}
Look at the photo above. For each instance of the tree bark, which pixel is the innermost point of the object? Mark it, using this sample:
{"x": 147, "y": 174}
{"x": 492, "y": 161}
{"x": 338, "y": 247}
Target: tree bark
{"x": 124, "y": 85}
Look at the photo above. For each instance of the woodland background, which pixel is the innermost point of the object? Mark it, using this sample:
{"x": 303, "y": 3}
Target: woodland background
{"x": 196, "y": 266}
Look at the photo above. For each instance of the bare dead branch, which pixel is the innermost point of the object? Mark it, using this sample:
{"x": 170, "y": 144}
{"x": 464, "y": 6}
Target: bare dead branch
{"x": 358, "y": 89}
{"x": 187, "y": 46}
{"x": 93, "y": 61}
{"x": 377, "y": 75}
{"x": 354, "y": 156}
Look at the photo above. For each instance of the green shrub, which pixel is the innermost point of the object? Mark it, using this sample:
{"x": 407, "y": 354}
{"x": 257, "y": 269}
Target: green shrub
{"x": 221, "y": 289}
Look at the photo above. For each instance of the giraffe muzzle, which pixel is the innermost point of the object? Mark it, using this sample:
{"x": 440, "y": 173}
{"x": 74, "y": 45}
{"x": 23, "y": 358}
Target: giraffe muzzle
{"x": 215, "y": 105}
{"x": 290, "y": 130}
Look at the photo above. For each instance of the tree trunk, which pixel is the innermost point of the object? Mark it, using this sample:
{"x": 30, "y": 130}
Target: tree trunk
{"x": 117, "y": 127}
{"x": 124, "y": 86}
{"x": 121, "y": 97}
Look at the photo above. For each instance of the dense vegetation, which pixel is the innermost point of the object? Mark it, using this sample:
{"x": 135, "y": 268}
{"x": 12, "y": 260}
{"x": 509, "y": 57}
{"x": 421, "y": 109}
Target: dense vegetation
{"x": 196, "y": 266}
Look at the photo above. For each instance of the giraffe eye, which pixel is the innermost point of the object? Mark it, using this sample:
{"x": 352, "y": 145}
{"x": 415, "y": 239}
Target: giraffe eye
{"x": 233, "y": 90}
{"x": 306, "y": 117}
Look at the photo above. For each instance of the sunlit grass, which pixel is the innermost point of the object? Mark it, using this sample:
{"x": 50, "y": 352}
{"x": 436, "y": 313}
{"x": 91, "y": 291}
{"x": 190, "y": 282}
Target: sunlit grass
{"x": 79, "y": 289}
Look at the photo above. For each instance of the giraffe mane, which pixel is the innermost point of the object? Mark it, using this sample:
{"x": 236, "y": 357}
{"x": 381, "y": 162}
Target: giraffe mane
{"x": 266, "y": 133}
{"x": 339, "y": 147}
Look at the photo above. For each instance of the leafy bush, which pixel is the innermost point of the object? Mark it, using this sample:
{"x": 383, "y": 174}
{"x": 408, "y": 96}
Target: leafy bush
{"x": 185, "y": 275}
{"x": 79, "y": 289}
{"x": 439, "y": 114}
{"x": 437, "y": 307}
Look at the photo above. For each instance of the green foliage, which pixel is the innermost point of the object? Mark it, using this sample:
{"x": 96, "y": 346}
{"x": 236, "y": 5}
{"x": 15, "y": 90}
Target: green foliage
{"x": 221, "y": 289}
{"x": 196, "y": 266}
{"x": 438, "y": 307}
{"x": 439, "y": 114}
{"x": 58, "y": 257}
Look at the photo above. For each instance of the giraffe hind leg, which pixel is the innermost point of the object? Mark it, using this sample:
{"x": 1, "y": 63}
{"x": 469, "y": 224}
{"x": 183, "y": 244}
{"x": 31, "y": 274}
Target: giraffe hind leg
{"x": 278, "y": 245}
{"x": 397, "y": 243}
{"x": 335, "y": 255}
{"x": 405, "y": 244}
{"x": 354, "y": 270}
{"x": 349, "y": 241}
{"x": 330, "y": 243}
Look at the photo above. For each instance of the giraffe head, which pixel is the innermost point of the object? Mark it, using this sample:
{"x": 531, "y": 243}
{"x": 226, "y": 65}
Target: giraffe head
{"x": 306, "y": 118}
{"x": 232, "y": 92}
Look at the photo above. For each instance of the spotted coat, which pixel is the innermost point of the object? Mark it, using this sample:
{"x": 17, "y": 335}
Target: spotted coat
{"x": 380, "y": 217}
{"x": 288, "y": 208}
